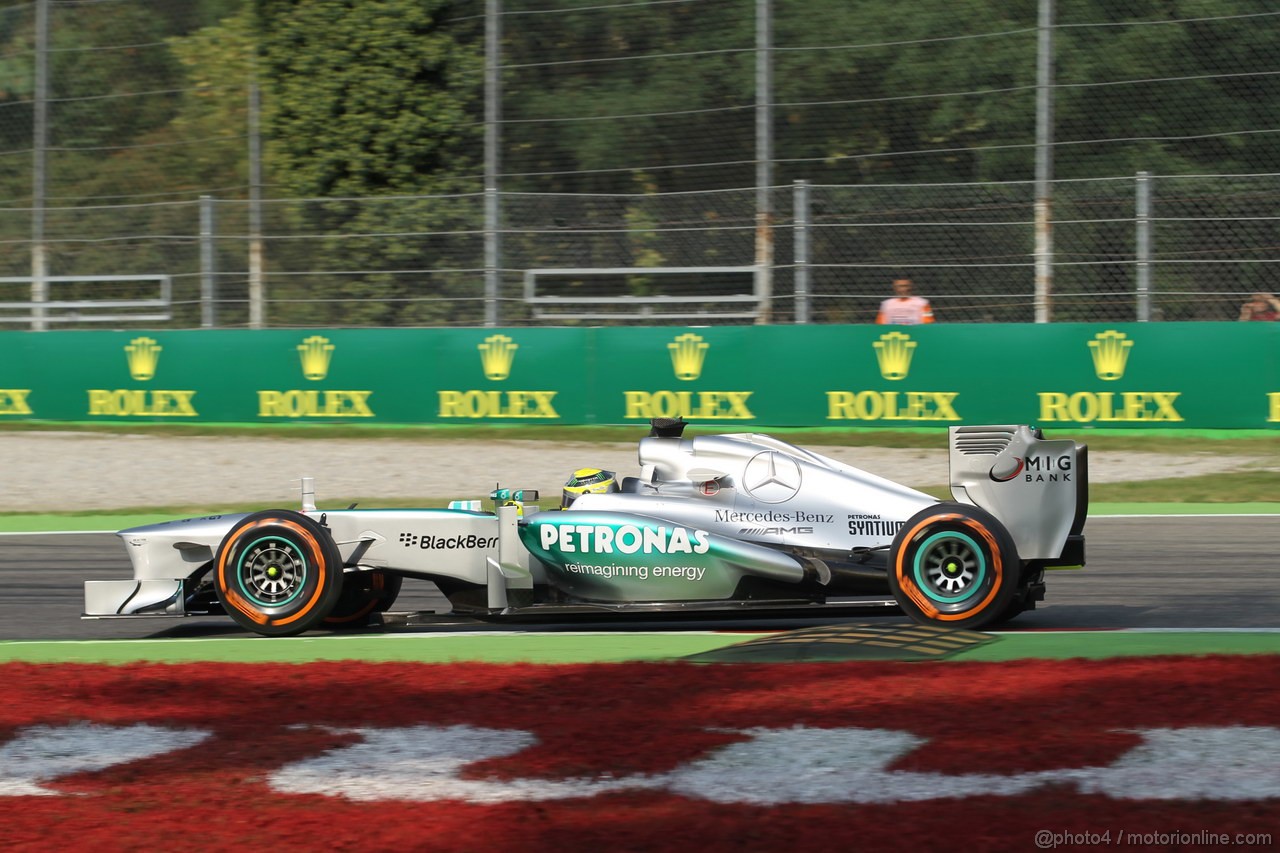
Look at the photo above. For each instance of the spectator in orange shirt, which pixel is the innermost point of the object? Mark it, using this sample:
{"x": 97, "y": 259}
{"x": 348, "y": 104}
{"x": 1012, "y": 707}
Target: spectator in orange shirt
{"x": 903, "y": 308}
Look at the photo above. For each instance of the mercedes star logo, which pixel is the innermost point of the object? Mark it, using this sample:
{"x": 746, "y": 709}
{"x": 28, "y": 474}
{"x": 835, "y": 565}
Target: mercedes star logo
{"x": 771, "y": 477}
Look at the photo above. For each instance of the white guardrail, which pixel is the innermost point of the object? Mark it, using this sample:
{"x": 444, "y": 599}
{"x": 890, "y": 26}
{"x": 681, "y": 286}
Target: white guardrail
{"x": 54, "y": 310}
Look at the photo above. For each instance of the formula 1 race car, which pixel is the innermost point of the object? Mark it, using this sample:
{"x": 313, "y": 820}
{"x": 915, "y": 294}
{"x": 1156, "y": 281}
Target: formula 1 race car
{"x": 723, "y": 524}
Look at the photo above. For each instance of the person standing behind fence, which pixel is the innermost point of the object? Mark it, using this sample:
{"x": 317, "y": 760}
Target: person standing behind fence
{"x": 1263, "y": 306}
{"x": 904, "y": 308}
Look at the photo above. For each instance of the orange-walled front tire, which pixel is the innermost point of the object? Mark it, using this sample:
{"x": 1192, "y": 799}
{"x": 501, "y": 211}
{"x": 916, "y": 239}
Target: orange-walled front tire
{"x": 278, "y": 573}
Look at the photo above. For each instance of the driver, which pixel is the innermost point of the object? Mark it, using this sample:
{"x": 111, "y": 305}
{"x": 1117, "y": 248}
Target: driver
{"x": 587, "y": 481}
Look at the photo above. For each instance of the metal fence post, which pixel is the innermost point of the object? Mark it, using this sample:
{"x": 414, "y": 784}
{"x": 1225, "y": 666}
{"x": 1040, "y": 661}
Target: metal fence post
{"x": 764, "y": 159}
{"x": 492, "y": 255}
{"x": 1044, "y": 166}
{"x": 39, "y": 144}
{"x": 1143, "y": 219}
{"x": 492, "y": 158}
{"x": 801, "y": 243}
{"x": 257, "y": 295}
{"x": 208, "y": 295}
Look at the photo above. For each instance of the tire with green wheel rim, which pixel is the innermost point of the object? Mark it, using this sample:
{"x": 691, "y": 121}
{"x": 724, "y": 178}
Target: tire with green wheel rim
{"x": 956, "y": 565}
{"x": 278, "y": 573}
{"x": 363, "y": 595}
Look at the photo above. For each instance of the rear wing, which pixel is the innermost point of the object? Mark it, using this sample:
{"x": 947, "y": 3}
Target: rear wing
{"x": 1037, "y": 488}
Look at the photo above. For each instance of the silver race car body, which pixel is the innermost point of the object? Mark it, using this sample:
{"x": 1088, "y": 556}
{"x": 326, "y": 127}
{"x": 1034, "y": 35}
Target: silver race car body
{"x": 741, "y": 522}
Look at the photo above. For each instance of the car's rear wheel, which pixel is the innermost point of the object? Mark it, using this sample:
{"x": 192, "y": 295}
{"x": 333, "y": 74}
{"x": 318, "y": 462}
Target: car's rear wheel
{"x": 363, "y": 595}
{"x": 277, "y": 573}
{"x": 956, "y": 565}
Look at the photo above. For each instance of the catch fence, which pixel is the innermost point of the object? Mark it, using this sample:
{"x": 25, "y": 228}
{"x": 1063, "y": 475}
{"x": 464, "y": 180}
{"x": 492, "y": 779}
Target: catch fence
{"x": 1142, "y": 248}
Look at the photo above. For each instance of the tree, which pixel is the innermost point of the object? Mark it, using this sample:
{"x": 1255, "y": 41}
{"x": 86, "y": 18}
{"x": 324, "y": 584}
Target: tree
{"x": 370, "y": 98}
{"x": 367, "y": 100}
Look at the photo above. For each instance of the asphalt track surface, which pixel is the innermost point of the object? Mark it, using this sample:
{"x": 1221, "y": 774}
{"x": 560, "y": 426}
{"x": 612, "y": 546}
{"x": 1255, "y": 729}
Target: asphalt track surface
{"x": 1177, "y": 572}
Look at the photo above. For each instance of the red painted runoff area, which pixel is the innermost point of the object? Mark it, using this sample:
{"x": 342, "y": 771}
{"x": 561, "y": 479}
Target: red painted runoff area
{"x": 344, "y": 755}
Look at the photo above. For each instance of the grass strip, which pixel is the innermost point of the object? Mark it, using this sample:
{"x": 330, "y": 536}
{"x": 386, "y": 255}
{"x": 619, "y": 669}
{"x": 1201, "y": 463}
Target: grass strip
{"x": 108, "y": 523}
{"x": 599, "y": 647}
{"x": 1061, "y": 645}
{"x": 1154, "y": 439}
{"x": 1166, "y": 508}
{"x": 505, "y": 647}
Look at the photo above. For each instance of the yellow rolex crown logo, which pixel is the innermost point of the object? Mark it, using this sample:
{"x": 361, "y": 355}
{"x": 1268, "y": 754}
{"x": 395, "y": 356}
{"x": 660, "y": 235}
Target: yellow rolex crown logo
{"x": 687, "y": 354}
{"x": 893, "y": 351}
{"x": 315, "y": 352}
{"x": 143, "y": 355}
{"x": 496, "y": 355}
{"x": 1110, "y": 354}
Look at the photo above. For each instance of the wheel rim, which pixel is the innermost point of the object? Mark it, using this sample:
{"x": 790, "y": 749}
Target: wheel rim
{"x": 950, "y": 567}
{"x": 272, "y": 571}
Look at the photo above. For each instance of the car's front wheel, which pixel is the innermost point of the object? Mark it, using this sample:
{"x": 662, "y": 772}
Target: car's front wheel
{"x": 954, "y": 564}
{"x": 277, "y": 573}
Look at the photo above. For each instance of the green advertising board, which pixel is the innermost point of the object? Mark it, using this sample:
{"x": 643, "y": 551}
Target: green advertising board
{"x": 1198, "y": 375}
{"x": 1211, "y": 375}
{"x": 334, "y": 375}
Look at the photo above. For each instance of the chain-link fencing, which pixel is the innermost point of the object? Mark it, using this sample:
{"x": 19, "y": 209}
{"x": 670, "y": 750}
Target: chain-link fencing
{"x": 1194, "y": 249}
{"x": 625, "y": 185}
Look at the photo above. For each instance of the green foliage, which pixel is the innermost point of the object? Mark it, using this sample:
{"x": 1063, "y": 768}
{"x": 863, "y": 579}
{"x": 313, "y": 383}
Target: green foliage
{"x": 375, "y": 97}
{"x": 895, "y": 83}
{"x": 367, "y": 100}
{"x": 1176, "y": 86}
{"x": 370, "y": 98}
{"x": 684, "y": 95}
{"x": 400, "y": 249}
{"x": 887, "y": 92}
{"x": 218, "y": 62}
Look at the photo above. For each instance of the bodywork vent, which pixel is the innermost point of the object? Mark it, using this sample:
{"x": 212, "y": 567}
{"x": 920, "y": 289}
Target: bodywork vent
{"x": 982, "y": 441}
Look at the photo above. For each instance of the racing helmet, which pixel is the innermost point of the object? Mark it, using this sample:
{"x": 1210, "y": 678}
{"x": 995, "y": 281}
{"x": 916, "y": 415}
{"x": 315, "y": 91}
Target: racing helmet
{"x": 587, "y": 481}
